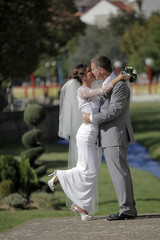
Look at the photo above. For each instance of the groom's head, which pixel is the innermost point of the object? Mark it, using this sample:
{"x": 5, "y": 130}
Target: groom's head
{"x": 101, "y": 67}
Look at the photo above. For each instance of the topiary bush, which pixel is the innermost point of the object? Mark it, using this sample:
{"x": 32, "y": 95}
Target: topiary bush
{"x": 33, "y": 115}
{"x": 32, "y": 154}
{"x": 6, "y": 188}
{"x": 31, "y": 138}
{"x": 16, "y": 200}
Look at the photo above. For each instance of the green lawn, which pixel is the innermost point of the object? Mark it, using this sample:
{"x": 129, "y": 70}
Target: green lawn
{"x": 145, "y": 118}
{"x": 146, "y": 189}
{"x": 146, "y": 125}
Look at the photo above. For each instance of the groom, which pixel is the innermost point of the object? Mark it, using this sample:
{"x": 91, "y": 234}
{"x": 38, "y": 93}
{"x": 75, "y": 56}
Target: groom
{"x": 116, "y": 132}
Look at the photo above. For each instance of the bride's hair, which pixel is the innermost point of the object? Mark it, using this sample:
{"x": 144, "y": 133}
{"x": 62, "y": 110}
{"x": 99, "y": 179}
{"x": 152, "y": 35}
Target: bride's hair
{"x": 78, "y": 71}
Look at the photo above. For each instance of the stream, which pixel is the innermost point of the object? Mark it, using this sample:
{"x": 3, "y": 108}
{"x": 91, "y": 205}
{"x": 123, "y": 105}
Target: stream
{"x": 137, "y": 157}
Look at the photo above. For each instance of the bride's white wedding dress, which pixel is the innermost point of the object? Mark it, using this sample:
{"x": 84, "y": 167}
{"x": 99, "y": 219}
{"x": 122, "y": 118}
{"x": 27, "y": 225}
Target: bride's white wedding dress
{"x": 80, "y": 182}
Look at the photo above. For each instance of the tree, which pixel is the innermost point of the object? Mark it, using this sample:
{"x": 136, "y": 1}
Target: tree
{"x": 84, "y": 47}
{"x": 152, "y": 46}
{"x": 141, "y": 42}
{"x": 114, "y": 32}
{"x": 21, "y": 31}
{"x": 30, "y": 29}
{"x": 130, "y": 44}
{"x": 104, "y": 41}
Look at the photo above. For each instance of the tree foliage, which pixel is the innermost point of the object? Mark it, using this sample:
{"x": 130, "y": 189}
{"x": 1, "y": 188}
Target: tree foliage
{"x": 30, "y": 29}
{"x": 141, "y": 42}
{"x": 103, "y": 41}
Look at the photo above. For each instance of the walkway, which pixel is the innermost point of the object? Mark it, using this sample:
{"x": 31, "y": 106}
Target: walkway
{"x": 146, "y": 227}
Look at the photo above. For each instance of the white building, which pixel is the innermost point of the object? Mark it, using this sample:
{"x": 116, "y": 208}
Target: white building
{"x": 99, "y": 14}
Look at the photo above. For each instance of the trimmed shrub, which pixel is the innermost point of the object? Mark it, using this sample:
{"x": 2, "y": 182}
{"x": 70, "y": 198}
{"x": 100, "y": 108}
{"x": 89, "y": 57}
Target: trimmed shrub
{"x": 6, "y": 188}
{"x": 32, "y": 154}
{"x": 28, "y": 177}
{"x": 31, "y": 138}
{"x": 9, "y": 169}
{"x": 34, "y": 114}
{"x": 16, "y": 200}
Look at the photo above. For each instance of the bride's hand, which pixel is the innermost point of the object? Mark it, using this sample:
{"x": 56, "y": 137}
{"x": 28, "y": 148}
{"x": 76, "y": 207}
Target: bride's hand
{"x": 125, "y": 76}
{"x": 86, "y": 117}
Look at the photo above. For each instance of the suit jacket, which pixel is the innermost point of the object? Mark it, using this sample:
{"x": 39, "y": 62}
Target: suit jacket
{"x": 114, "y": 117}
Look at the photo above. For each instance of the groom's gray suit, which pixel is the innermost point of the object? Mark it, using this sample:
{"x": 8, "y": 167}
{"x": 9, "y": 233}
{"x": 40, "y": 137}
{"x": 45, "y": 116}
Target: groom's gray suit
{"x": 116, "y": 133}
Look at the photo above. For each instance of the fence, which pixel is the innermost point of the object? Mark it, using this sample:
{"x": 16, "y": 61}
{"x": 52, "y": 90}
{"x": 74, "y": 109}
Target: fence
{"x": 154, "y": 88}
{"x": 51, "y": 91}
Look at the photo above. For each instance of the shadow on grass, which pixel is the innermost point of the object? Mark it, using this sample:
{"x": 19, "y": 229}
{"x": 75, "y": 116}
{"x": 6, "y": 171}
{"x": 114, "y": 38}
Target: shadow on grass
{"x": 148, "y": 199}
{"x": 11, "y": 147}
{"x": 54, "y": 147}
{"x": 145, "y": 121}
{"x": 16, "y": 147}
{"x": 54, "y": 164}
{"x": 107, "y": 202}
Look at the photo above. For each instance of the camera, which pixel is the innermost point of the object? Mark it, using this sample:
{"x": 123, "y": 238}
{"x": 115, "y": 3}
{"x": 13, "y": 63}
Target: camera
{"x": 132, "y": 72}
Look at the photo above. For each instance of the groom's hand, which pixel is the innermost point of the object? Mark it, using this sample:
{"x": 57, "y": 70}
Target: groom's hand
{"x": 86, "y": 117}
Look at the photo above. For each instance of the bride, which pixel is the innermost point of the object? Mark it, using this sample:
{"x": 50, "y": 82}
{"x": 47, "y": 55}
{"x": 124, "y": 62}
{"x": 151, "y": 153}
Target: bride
{"x": 79, "y": 183}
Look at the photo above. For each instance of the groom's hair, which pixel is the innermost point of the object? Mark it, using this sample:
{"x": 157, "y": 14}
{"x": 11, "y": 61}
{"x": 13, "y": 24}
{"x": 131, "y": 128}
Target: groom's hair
{"x": 102, "y": 61}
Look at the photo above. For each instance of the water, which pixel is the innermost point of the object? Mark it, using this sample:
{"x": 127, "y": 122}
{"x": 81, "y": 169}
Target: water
{"x": 137, "y": 157}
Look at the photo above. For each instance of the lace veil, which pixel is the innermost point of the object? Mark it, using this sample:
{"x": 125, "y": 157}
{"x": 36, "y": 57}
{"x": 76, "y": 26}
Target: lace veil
{"x": 70, "y": 119}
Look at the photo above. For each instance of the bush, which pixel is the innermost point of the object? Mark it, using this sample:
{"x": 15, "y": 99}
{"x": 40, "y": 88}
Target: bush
{"x": 31, "y": 138}
{"x": 6, "y": 188}
{"x": 34, "y": 114}
{"x": 45, "y": 200}
{"x": 16, "y": 200}
{"x": 28, "y": 177}
{"x": 32, "y": 154}
{"x": 9, "y": 169}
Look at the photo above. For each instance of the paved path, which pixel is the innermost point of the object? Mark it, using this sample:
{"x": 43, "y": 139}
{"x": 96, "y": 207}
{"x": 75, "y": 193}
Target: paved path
{"x": 144, "y": 227}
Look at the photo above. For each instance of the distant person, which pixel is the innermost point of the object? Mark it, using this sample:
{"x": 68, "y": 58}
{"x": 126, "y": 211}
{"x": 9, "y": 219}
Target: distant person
{"x": 116, "y": 133}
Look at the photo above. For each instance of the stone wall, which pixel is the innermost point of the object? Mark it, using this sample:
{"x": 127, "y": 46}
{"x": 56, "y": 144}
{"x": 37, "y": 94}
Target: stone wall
{"x": 12, "y": 125}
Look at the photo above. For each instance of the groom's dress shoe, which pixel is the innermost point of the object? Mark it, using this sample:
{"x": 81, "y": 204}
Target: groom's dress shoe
{"x": 118, "y": 216}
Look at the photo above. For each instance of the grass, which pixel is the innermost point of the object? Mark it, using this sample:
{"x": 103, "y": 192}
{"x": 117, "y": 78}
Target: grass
{"x": 146, "y": 125}
{"x": 146, "y": 189}
{"x": 145, "y": 118}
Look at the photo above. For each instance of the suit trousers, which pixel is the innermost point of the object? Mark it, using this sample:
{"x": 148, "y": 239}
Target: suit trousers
{"x": 116, "y": 158}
